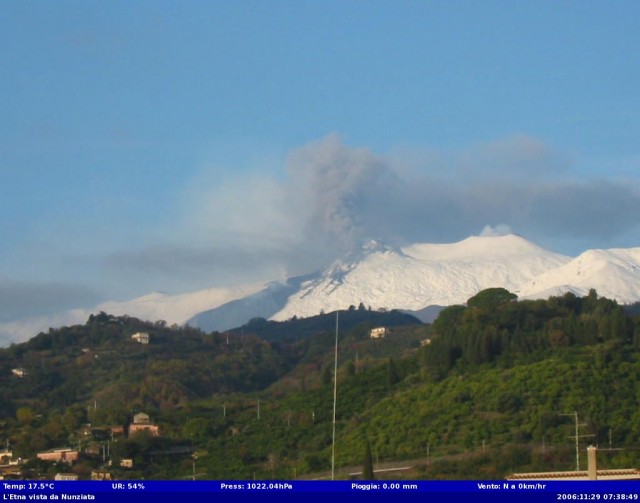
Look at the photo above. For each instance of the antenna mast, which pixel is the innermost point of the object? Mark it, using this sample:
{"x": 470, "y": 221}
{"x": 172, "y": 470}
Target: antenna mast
{"x": 577, "y": 437}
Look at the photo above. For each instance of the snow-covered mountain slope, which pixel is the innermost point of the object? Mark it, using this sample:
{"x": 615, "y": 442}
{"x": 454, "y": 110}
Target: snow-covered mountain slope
{"x": 178, "y": 308}
{"x": 154, "y": 306}
{"x": 614, "y": 273}
{"x": 422, "y": 275}
{"x": 260, "y": 304}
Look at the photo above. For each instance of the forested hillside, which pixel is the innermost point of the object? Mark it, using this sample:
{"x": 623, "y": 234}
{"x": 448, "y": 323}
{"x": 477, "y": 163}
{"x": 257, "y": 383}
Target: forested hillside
{"x": 489, "y": 389}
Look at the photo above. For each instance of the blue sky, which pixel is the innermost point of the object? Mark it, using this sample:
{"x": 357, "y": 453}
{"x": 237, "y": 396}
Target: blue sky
{"x": 173, "y": 146}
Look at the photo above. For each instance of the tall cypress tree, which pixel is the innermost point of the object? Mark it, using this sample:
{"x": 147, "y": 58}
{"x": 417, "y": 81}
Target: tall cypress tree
{"x": 367, "y": 469}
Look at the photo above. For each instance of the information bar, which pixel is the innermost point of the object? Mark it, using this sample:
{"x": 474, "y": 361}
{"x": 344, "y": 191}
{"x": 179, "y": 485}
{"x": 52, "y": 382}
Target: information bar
{"x": 401, "y": 490}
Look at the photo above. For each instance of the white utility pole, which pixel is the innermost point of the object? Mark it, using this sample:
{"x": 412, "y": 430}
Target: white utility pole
{"x": 335, "y": 395}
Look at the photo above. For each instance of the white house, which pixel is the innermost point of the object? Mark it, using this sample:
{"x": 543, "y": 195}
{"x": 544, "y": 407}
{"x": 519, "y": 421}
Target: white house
{"x": 141, "y": 337}
{"x": 19, "y": 372}
{"x": 379, "y": 332}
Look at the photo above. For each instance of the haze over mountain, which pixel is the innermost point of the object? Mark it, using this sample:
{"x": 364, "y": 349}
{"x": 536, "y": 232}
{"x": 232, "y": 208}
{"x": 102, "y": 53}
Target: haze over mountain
{"x": 410, "y": 278}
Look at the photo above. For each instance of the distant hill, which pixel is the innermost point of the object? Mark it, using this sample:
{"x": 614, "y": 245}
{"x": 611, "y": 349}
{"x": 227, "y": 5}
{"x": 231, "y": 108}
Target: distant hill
{"x": 300, "y": 328}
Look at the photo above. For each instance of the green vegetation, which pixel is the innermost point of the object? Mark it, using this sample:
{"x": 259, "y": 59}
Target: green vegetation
{"x": 481, "y": 393}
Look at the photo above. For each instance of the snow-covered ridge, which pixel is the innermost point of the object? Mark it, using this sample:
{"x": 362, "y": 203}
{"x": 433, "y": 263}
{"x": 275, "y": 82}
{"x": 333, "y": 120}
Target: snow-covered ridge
{"x": 614, "y": 273}
{"x": 421, "y": 275}
{"x": 178, "y": 308}
{"x": 479, "y": 247}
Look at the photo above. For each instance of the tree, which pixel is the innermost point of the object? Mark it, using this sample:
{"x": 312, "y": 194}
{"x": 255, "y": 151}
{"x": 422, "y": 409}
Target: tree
{"x": 491, "y": 298}
{"x": 73, "y": 417}
{"x": 367, "y": 468}
{"x": 25, "y": 415}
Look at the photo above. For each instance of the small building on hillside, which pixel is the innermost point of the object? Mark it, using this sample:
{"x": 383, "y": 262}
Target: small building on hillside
{"x": 64, "y": 455}
{"x": 100, "y": 475}
{"x": 141, "y": 422}
{"x": 126, "y": 463}
{"x": 141, "y": 337}
{"x": 379, "y": 332}
{"x": 11, "y": 472}
{"x": 65, "y": 476}
{"x": 20, "y": 372}
{"x": 116, "y": 429}
{"x": 141, "y": 418}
